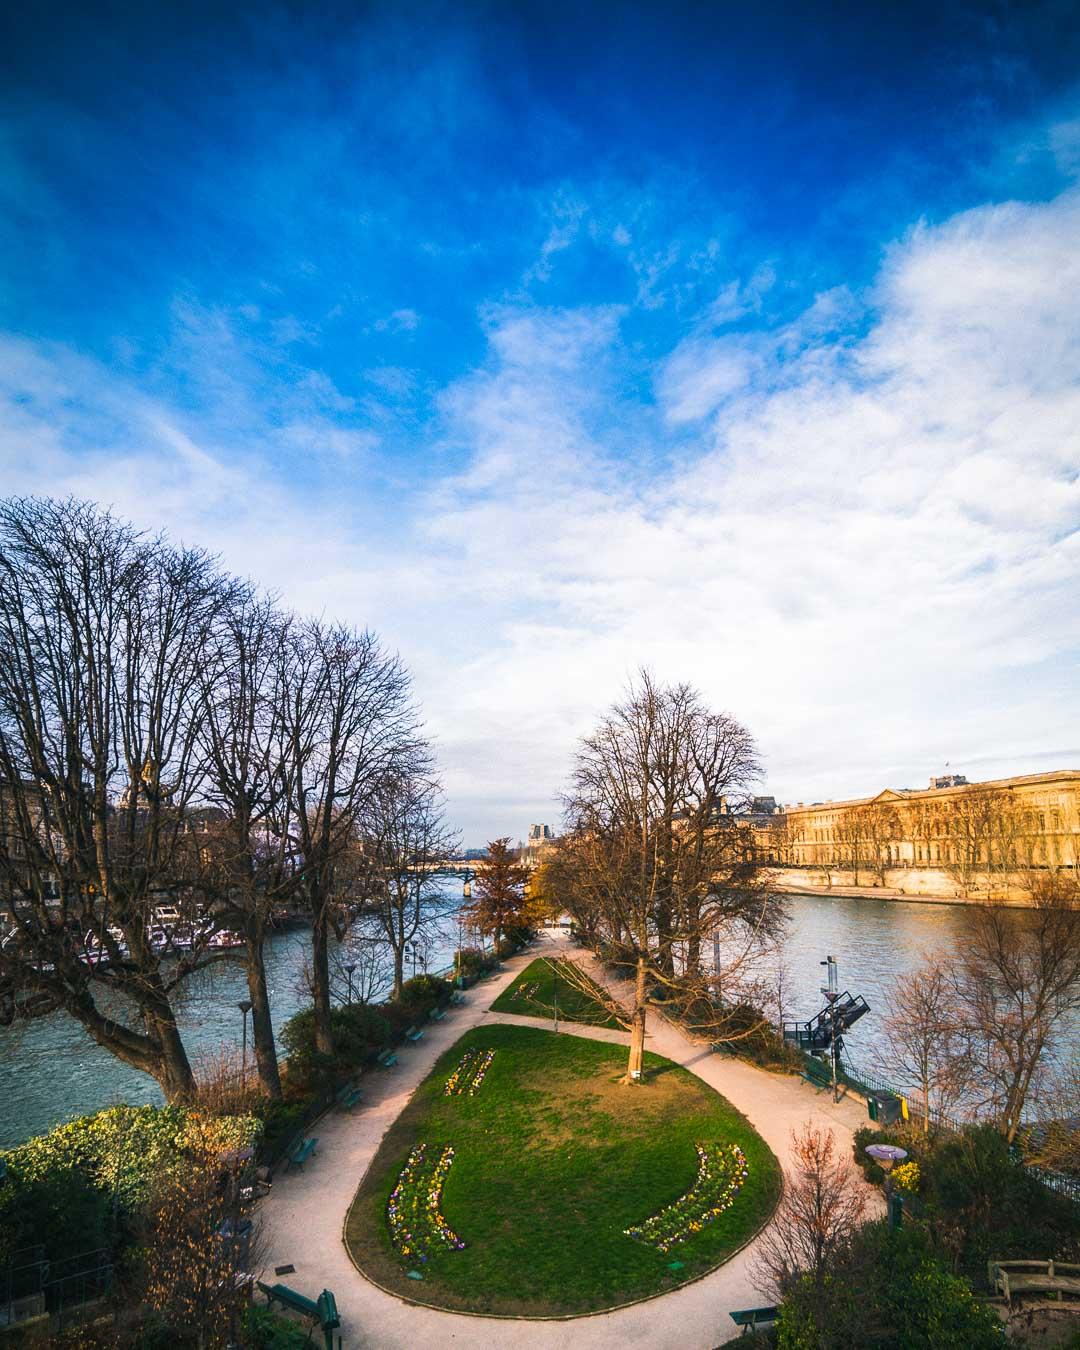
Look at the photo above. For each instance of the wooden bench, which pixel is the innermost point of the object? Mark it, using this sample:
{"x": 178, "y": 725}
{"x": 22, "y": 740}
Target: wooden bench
{"x": 413, "y": 1034}
{"x": 349, "y": 1096}
{"x": 302, "y": 1152}
{"x": 752, "y": 1318}
{"x": 1034, "y": 1277}
{"x": 386, "y": 1058}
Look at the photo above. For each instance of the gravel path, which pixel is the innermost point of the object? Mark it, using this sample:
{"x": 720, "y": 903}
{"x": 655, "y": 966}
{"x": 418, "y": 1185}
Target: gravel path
{"x": 304, "y": 1215}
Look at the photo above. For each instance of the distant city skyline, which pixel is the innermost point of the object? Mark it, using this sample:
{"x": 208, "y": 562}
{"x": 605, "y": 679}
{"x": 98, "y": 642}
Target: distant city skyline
{"x": 552, "y": 342}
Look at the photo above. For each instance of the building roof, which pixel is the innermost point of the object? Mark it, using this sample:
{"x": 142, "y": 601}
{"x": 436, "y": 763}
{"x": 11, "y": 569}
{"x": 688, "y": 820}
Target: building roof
{"x": 907, "y": 794}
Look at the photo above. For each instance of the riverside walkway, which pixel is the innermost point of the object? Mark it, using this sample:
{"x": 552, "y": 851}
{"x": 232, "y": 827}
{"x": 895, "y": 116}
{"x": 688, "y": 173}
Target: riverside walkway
{"x": 304, "y": 1215}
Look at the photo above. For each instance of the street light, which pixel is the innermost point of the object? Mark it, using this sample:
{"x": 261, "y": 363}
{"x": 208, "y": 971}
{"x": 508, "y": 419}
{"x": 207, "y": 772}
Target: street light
{"x": 245, "y": 1008}
{"x": 349, "y": 971}
{"x": 466, "y": 896}
{"x": 885, "y": 1155}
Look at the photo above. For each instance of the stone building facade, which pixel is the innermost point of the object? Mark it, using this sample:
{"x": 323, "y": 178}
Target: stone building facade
{"x": 965, "y": 831}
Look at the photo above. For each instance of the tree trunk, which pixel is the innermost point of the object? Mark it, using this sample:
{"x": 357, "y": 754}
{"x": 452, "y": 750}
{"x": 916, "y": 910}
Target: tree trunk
{"x": 637, "y": 1028}
{"x": 262, "y": 1028}
{"x": 320, "y": 980}
{"x": 399, "y": 971}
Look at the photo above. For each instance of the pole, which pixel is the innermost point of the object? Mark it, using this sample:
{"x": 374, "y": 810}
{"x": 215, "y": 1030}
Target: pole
{"x": 245, "y": 1008}
{"x": 555, "y": 970}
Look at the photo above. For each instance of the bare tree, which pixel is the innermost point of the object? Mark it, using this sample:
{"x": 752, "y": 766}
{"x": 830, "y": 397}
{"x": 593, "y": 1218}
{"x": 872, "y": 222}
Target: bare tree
{"x": 922, "y": 1031}
{"x": 655, "y": 862}
{"x": 405, "y": 839}
{"x": 1055, "y": 1142}
{"x": 1017, "y": 987}
{"x": 351, "y": 729}
{"x": 103, "y": 636}
{"x": 250, "y": 865}
{"x": 822, "y": 1206}
{"x": 851, "y": 840}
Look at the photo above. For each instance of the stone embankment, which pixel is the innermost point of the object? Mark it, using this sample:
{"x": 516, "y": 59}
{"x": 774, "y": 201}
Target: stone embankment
{"x": 927, "y": 885}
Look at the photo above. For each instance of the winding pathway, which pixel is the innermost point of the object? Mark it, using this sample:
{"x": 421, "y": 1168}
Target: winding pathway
{"x": 304, "y": 1214}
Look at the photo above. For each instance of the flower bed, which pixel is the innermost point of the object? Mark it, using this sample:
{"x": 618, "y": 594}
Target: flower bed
{"x": 527, "y": 990}
{"x": 721, "y": 1172}
{"x": 469, "y": 1073}
{"x": 413, "y": 1212}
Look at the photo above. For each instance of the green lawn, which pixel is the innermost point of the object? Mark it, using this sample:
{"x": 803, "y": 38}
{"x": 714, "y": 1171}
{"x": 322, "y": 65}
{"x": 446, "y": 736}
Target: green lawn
{"x": 525, "y": 1000}
{"x": 552, "y": 1159}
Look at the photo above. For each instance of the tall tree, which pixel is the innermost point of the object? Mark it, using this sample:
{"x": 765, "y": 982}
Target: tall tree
{"x": 1017, "y": 987}
{"x": 923, "y": 1036}
{"x": 498, "y": 901}
{"x": 656, "y": 861}
{"x": 351, "y": 730}
{"x": 250, "y": 866}
{"x": 103, "y": 637}
{"x": 404, "y": 840}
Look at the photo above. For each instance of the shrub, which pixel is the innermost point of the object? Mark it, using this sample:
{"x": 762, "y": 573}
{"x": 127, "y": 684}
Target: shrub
{"x": 903, "y": 1136}
{"x": 359, "y": 1030}
{"x": 887, "y": 1291}
{"x": 980, "y": 1203}
{"x": 474, "y": 962}
{"x": 266, "y": 1330}
{"x": 64, "y": 1187}
{"x": 424, "y": 992}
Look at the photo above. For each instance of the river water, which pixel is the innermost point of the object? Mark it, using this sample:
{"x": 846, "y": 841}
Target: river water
{"x": 50, "y": 1070}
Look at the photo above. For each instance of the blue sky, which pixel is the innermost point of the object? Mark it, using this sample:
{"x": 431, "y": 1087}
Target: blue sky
{"x": 551, "y": 339}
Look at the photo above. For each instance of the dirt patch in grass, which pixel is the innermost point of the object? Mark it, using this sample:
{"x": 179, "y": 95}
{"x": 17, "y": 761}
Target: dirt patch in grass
{"x": 554, "y": 1159}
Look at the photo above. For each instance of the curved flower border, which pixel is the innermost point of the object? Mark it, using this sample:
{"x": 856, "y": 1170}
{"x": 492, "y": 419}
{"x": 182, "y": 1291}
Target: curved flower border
{"x": 413, "y": 1212}
{"x": 469, "y": 1074}
{"x": 721, "y": 1173}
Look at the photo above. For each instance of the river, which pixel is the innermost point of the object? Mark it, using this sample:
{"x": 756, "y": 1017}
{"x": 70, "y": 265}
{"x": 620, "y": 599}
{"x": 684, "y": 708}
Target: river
{"x": 50, "y": 1070}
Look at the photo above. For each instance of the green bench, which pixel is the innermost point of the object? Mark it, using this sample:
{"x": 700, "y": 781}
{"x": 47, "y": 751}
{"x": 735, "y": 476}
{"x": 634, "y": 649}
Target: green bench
{"x": 302, "y": 1151}
{"x": 322, "y": 1309}
{"x": 752, "y": 1318}
{"x": 413, "y": 1034}
{"x": 348, "y": 1097}
{"x": 386, "y": 1058}
{"x": 437, "y": 1014}
{"x": 817, "y": 1075}
{"x": 457, "y": 998}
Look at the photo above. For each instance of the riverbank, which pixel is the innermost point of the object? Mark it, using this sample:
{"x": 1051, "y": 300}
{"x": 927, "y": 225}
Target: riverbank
{"x": 919, "y": 887}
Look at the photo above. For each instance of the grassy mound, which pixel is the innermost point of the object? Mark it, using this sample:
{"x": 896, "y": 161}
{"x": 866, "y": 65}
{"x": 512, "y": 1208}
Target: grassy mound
{"x": 540, "y": 988}
{"x": 552, "y": 1159}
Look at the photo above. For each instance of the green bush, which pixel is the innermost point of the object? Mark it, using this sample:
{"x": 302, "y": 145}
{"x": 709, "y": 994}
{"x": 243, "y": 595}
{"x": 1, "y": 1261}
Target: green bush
{"x": 424, "y": 992}
{"x": 979, "y": 1203}
{"x": 64, "y": 1188}
{"x": 473, "y": 962}
{"x": 359, "y": 1032}
{"x": 887, "y": 1291}
{"x": 266, "y": 1330}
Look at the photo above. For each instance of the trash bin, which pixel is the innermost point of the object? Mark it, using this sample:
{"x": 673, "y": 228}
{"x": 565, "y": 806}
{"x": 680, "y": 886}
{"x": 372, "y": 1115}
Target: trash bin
{"x": 884, "y": 1108}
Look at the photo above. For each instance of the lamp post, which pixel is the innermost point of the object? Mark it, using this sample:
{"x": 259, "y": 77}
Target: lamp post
{"x": 245, "y": 1008}
{"x": 466, "y": 896}
{"x": 349, "y": 971}
{"x": 832, "y": 993}
{"x": 885, "y": 1155}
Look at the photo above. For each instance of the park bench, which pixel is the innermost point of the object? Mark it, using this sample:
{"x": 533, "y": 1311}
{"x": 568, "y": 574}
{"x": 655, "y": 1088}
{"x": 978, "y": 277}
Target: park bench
{"x": 413, "y": 1034}
{"x": 437, "y": 1014}
{"x": 457, "y": 998}
{"x": 724, "y": 1048}
{"x": 752, "y": 1318}
{"x": 322, "y": 1310}
{"x": 386, "y": 1058}
{"x": 348, "y": 1097}
{"x": 1034, "y": 1277}
{"x": 299, "y": 1155}
{"x": 817, "y": 1075}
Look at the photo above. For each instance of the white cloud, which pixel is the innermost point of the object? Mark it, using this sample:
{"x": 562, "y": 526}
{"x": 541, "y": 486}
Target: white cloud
{"x": 866, "y": 546}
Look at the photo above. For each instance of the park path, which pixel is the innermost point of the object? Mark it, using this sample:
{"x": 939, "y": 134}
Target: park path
{"x": 304, "y": 1214}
